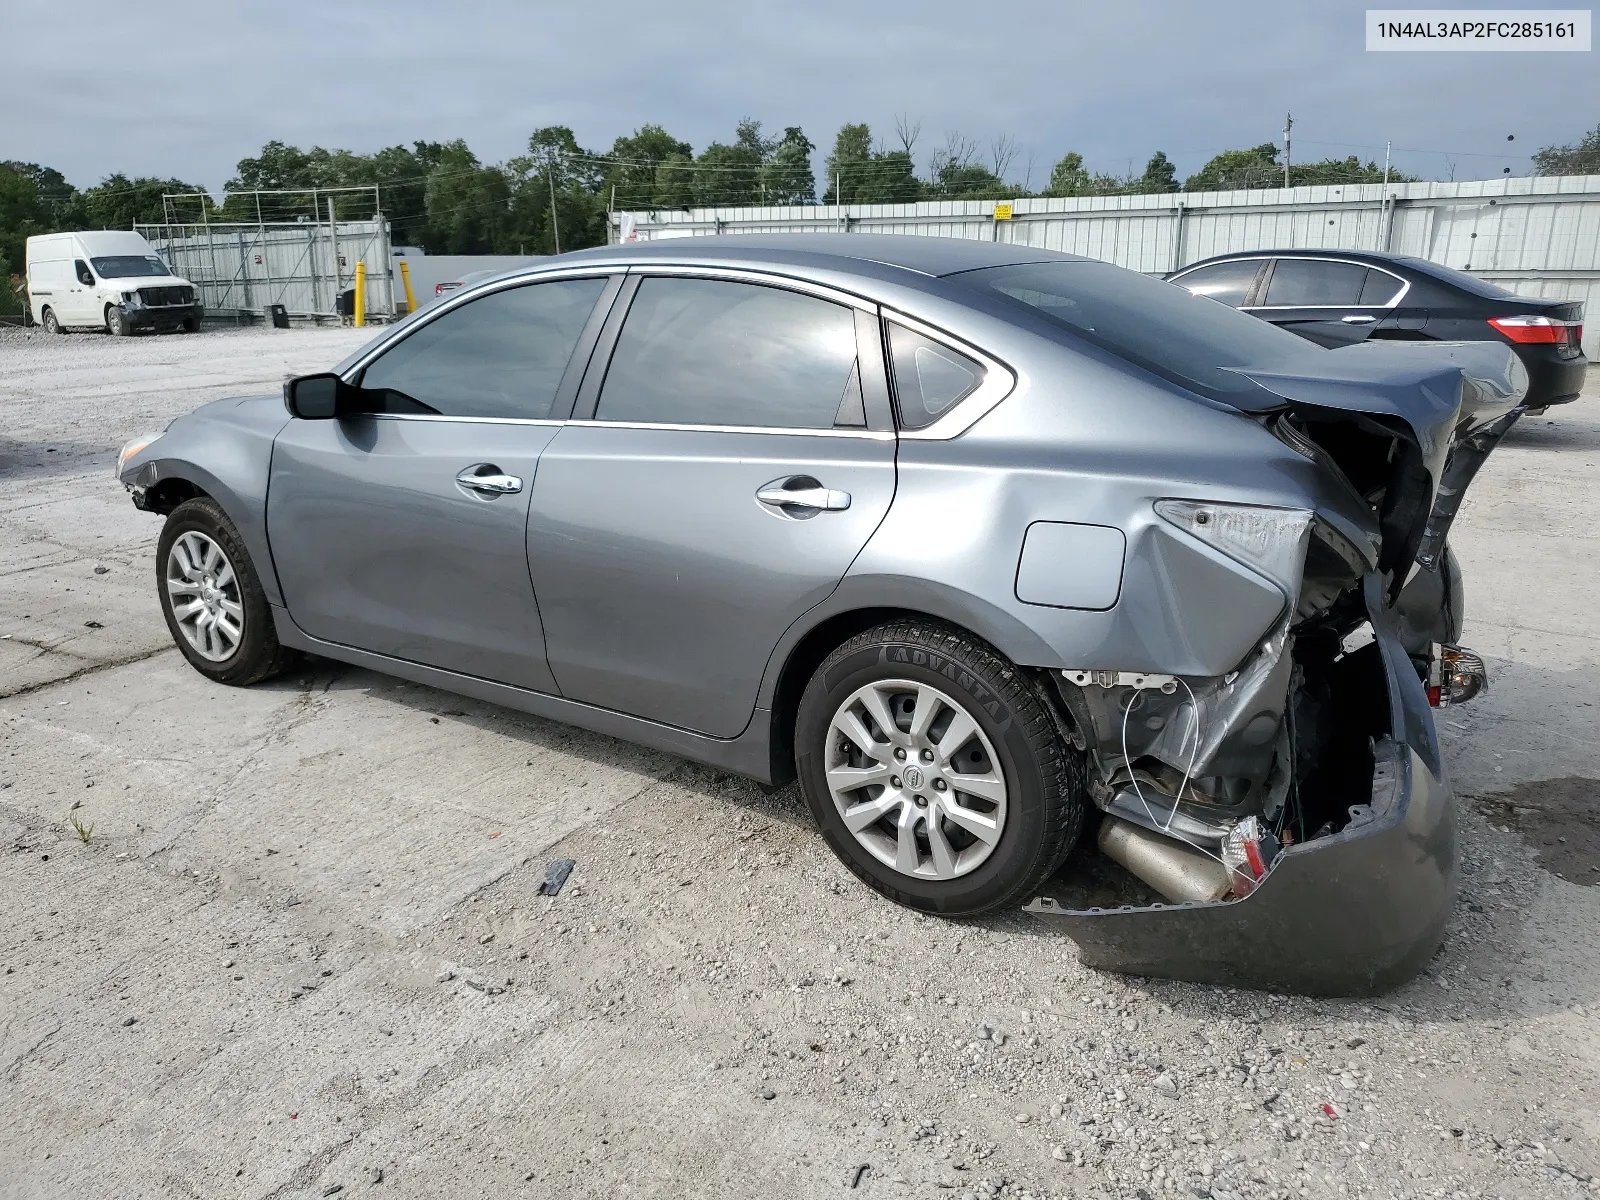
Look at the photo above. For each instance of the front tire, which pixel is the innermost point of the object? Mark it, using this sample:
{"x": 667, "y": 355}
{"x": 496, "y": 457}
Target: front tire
{"x": 935, "y": 770}
{"x": 116, "y": 321}
{"x": 212, "y": 599}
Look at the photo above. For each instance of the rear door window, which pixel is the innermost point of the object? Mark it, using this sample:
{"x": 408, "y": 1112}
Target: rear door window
{"x": 1315, "y": 283}
{"x": 1381, "y": 289}
{"x": 929, "y": 377}
{"x": 717, "y": 352}
{"x": 501, "y": 355}
{"x": 1227, "y": 282}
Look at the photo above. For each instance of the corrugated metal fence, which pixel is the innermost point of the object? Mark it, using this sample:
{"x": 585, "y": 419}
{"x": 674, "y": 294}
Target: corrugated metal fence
{"x": 300, "y": 265}
{"x": 1538, "y": 236}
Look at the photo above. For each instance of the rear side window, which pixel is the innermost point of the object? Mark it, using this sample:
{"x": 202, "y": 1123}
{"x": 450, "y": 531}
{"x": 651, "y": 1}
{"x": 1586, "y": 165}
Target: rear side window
{"x": 501, "y": 355}
{"x": 1227, "y": 282}
{"x": 1158, "y": 326}
{"x": 1311, "y": 283}
{"x": 1381, "y": 288}
{"x": 713, "y": 352}
{"x": 929, "y": 378}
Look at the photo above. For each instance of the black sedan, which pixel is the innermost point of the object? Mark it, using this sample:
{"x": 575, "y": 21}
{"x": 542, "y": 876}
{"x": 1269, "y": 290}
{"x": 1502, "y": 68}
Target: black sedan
{"x": 1340, "y": 297}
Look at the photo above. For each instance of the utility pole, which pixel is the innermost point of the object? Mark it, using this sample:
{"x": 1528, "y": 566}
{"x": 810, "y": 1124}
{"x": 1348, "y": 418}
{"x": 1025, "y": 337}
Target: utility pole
{"x": 1383, "y": 199}
{"x": 1288, "y": 124}
{"x": 555, "y": 220}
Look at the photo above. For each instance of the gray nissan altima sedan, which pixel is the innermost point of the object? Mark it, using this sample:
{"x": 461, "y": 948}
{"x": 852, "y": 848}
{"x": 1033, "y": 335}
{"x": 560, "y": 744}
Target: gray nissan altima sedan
{"x": 987, "y": 545}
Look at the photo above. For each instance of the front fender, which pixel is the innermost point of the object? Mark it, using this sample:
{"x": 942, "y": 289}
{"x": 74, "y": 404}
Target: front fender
{"x": 224, "y": 450}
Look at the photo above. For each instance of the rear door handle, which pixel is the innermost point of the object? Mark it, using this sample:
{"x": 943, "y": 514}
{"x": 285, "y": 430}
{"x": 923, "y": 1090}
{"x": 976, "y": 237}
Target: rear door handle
{"x": 489, "y": 480}
{"x": 1358, "y": 320}
{"x": 803, "y": 492}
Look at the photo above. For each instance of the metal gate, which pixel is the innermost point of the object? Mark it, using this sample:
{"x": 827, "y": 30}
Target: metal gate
{"x": 303, "y": 265}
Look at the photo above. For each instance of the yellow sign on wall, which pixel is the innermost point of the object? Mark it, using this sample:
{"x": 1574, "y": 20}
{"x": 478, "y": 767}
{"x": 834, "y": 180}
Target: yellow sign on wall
{"x": 1002, "y": 212}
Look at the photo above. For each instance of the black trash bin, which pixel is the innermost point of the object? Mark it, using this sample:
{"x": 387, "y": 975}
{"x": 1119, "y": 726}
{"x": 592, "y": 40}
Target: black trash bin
{"x": 346, "y": 304}
{"x": 278, "y": 315}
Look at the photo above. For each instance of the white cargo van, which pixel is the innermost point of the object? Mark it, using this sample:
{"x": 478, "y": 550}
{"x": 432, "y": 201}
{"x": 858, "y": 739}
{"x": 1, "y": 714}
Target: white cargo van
{"x": 106, "y": 279}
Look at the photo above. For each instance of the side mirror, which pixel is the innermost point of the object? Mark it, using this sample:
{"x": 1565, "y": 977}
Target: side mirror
{"x": 320, "y": 397}
{"x": 85, "y": 278}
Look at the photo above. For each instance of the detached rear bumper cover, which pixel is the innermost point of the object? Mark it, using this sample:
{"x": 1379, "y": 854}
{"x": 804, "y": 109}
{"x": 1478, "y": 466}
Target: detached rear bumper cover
{"x": 1355, "y": 913}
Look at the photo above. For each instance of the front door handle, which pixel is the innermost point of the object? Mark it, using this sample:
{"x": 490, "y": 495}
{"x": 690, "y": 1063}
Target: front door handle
{"x": 802, "y": 493}
{"x": 489, "y": 480}
{"x": 1358, "y": 320}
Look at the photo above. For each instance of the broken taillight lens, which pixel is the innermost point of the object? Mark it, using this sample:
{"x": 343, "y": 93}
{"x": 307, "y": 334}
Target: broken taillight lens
{"x": 1528, "y": 330}
{"x": 1456, "y": 676}
{"x": 1248, "y": 850}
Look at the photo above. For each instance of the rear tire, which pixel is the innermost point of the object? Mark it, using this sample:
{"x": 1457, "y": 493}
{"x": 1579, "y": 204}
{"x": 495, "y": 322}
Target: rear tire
{"x": 116, "y": 322}
{"x": 190, "y": 325}
{"x": 50, "y": 323}
{"x": 977, "y": 809}
{"x": 212, "y": 599}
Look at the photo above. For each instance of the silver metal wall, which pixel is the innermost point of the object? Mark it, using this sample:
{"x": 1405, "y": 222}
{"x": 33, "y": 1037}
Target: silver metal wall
{"x": 1533, "y": 236}
{"x": 301, "y": 265}
{"x": 427, "y": 270}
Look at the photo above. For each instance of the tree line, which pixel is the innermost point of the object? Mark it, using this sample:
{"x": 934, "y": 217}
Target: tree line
{"x": 442, "y": 197}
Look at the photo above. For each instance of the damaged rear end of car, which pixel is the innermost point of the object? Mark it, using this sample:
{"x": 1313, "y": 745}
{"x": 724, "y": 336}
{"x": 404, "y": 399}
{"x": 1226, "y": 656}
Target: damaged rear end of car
{"x": 1293, "y": 812}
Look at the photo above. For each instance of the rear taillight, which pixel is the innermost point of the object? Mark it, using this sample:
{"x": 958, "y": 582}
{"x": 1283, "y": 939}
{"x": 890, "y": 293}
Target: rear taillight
{"x": 1530, "y": 330}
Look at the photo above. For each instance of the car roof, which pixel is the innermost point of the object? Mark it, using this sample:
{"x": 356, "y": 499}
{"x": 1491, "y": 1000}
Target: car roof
{"x": 931, "y": 256}
{"x": 1361, "y": 256}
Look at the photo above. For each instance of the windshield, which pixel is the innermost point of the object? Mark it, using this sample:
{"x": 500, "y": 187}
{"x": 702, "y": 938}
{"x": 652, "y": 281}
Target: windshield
{"x": 1163, "y": 327}
{"x": 129, "y": 266}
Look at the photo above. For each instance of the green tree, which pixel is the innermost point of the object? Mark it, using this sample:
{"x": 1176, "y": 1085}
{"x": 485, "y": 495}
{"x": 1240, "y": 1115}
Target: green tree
{"x": 866, "y": 175}
{"x": 1581, "y": 158}
{"x": 555, "y": 163}
{"x": 852, "y": 152}
{"x": 33, "y": 200}
{"x": 730, "y": 175}
{"x": 466, "y": 203}
{"x": 1159, "y": 175}
{"x": 1257, "y": 167}
{"x": 956, "y": 180}
{"x": 1344, "y": 170}
{"x": 1069, "y": 177}
{"x": 117, "y": 202}
{"x": 633, "y": 173}
{"x": 786, "y": 178}
{"x": 675, "y": 181}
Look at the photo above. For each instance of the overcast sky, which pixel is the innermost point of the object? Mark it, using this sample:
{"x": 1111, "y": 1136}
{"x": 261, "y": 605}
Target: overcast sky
{"x": 186, "y": 90}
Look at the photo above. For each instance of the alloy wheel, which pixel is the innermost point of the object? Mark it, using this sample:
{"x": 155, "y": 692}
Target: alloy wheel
{"x": 915, "y": 779}
{"x": 204, "y": 593}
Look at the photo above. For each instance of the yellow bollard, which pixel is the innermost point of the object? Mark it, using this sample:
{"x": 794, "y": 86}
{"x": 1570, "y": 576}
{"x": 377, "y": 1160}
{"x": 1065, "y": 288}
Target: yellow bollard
{"x": 405, "y": 278}
{"x": 361, "y": 294}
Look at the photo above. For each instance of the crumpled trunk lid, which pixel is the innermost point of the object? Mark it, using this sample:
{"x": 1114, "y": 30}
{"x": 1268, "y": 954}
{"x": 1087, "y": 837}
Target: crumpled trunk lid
{"x": 1407, "y": 424}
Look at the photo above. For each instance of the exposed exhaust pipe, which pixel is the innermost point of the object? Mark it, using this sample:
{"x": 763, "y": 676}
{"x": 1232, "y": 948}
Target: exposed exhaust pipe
{"x": 1178, "y": 872}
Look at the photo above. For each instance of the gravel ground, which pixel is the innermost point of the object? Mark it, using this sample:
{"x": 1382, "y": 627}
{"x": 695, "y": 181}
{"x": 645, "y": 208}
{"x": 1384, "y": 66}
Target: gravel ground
{"x": 304, "y": 944}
